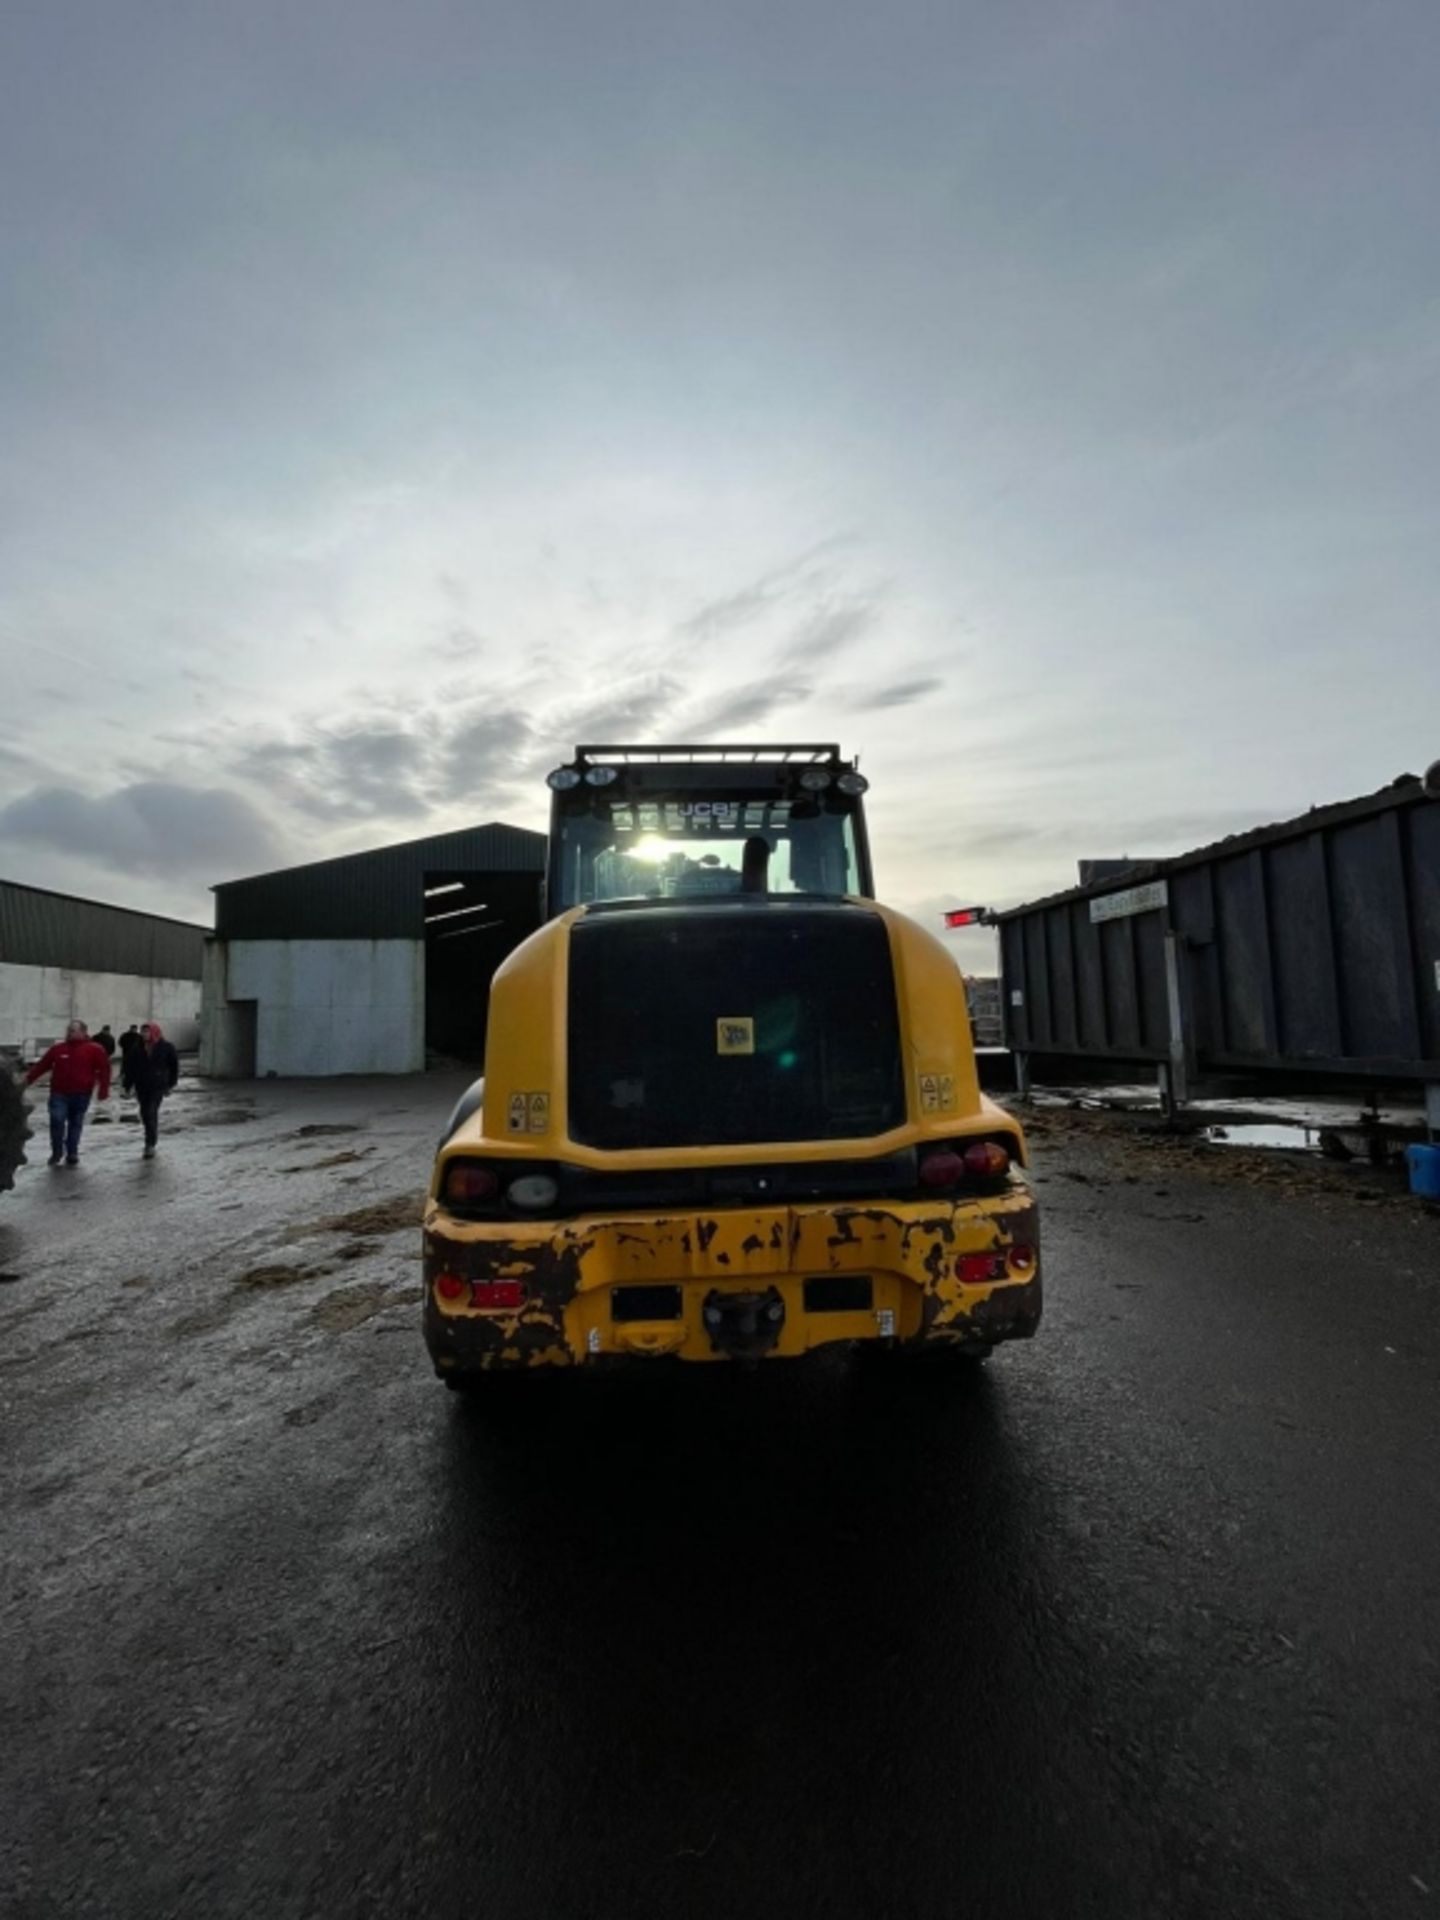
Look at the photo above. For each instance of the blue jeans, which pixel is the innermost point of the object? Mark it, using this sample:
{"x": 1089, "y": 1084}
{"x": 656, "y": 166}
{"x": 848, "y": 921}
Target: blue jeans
{"x": 67, "y": 1118}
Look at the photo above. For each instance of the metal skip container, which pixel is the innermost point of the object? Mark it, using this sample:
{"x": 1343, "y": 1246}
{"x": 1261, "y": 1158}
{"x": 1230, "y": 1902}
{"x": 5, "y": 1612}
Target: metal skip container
{"x": 1307, "y": 948}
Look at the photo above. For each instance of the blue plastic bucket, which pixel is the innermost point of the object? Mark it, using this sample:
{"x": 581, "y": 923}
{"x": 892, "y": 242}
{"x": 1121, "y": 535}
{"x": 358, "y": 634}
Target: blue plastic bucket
{"x": 1424, "y": 1165}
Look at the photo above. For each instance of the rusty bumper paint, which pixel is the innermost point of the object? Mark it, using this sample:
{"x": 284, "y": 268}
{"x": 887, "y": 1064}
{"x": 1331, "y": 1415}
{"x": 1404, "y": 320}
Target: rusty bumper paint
{"x": 908, "y": 1250}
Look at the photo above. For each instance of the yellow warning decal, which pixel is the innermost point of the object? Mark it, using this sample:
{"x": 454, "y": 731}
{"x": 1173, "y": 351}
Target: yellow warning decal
{"x": 736, "y": 1034}
{"x": 528, "y": 1113}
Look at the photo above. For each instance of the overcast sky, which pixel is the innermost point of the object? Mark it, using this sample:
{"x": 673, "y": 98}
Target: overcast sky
{"x": 1041, "y": 398}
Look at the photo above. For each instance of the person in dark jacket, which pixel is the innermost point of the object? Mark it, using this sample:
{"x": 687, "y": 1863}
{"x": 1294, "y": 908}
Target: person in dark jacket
{"x": 106, "y": 1039}
{"x": 128, "y": 1040}
{"x": 150, "y": 1071}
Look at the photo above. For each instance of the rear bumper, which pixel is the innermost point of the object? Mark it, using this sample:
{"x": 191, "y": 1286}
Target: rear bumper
{"x": 705, "y": 1286}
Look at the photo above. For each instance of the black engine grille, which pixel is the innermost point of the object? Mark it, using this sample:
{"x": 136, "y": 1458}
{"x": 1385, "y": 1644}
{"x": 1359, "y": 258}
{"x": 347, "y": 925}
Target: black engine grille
{"x": 762, "y": 1022}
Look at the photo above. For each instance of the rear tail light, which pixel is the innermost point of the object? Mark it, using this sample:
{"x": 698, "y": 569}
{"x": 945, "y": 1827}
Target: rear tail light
{"x": 943, "y": 1169}
{"x": 450, "y": 1286}
{"x": 1015, "y": 1262}
{"x": 987, "y": 1160}
{"x": 498, "y": 1293}
{"x": 468, "y": 1184}
{"x": 959, "y": 1161}
{"x": 490, "y": 1190}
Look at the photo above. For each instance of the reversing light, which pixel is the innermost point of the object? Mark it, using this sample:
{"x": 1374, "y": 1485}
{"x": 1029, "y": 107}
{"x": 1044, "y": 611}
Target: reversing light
{"x": 986, "y": 1160}
{"x": 599, "y": 776}
{"x": 815, "y": 779}
{"x": 562, "y": 779}
{"x": 853, "y": 782}
{"x": 466, "y": 1182}
{"x": 533, "y": 1191}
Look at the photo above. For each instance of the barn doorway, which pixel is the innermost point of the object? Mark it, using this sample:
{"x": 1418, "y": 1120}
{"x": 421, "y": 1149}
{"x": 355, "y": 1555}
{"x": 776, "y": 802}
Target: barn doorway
{"x": 472, "y": 921}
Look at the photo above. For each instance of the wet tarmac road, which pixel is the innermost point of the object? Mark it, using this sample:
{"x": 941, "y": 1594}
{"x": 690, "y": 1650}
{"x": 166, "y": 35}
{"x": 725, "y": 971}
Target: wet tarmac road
{"x": 1144, "y": 1622}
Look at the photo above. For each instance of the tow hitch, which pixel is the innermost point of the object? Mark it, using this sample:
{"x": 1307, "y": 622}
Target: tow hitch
{"x": 744, "y": 1325}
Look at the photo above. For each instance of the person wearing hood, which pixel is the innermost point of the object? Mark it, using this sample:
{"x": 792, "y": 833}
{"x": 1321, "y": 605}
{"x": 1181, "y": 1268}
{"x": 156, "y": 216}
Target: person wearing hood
{"x": 150, "y": 1071}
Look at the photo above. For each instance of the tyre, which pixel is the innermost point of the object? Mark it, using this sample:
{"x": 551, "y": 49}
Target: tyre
{"x": 14, "y": 1129}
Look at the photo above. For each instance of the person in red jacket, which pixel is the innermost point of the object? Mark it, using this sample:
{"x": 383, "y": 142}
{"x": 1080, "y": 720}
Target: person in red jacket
{"x": 76, "y": 1067}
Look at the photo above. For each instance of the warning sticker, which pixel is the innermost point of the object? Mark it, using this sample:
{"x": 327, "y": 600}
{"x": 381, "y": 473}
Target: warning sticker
{"x": 528, "y": 1112}
{"x": 929, "y": 1093}
{"x": 947, "y": 1091}
{"x": 735, "y": 1034}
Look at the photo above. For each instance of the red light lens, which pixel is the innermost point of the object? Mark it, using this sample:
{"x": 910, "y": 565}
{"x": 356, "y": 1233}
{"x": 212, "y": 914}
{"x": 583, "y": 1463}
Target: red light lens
{"x": 978, "y": 1269}
{"x": 1021, "y": 1260}
{"x": 450, "y": 1286}
{"x": 943, "y": 1169}
{"x": 467, "y": 1182}
{"x": 498, "y": 1293}
{"x": 987, "y": 1160}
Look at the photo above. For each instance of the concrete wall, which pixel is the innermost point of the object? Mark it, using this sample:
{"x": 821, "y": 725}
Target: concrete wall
{"x": 227, "y": 1029}
{"x": 37, "y": 1003}
{"x": 321, "y": 1007}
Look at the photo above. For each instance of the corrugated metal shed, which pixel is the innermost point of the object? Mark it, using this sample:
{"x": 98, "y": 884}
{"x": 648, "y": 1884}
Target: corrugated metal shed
{"x": 39, "y": 928}
{"x": 377, "y": 895}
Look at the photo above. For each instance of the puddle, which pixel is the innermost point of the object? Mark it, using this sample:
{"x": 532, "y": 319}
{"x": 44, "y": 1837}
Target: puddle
{"x": 1249, "y": 1134}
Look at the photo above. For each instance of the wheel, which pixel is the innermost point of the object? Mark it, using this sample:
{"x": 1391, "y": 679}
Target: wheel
{"x": 14, "y": 1129}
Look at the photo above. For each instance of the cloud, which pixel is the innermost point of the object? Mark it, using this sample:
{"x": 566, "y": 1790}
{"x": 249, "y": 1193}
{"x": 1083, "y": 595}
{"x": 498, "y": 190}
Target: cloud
{"x": 831, "y": 630}
{"x": 745, "y": 707}
{"x": 369, "y": 769}
{"x": 152, "y": 827}
{"x": 485, "y": 750}
{"x": 902, "y": 693}
{"x": 459, "y": 644}
{"x": 12, "y": 760}
{"x": 738, "y": 609}
{"x": 638, "y": 711}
